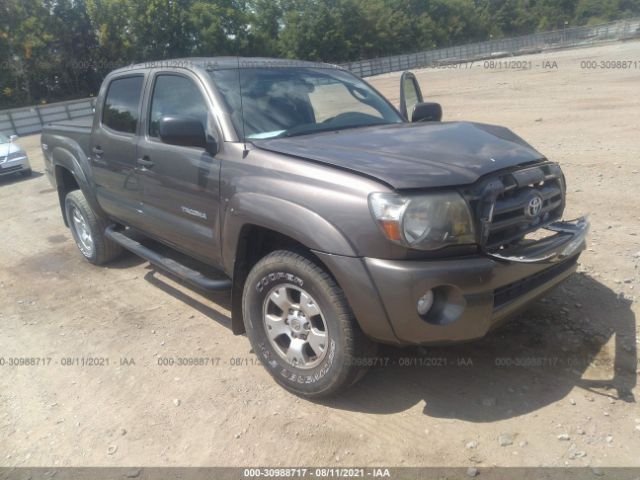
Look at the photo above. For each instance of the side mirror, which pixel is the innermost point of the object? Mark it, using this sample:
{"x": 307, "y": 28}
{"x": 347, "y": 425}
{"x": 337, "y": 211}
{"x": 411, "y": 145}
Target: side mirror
{"x": 13, "y": 138}
{"x": 186, "y": 132}
{"x": 410, "y": 93}
{"x": 427, "y": 112}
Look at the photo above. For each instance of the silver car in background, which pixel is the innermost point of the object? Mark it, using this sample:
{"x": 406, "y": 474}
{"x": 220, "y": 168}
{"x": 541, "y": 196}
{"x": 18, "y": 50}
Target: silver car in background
{"x": 13, "y": 159}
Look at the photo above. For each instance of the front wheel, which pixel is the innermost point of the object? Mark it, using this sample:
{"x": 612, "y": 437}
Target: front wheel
{"x": 88, "y": 230}
{"x": 301, "y": 327}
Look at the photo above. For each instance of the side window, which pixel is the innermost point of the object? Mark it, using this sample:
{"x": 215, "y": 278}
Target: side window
{"x": 177, "y": 96}
{"x": 120, "y": 111}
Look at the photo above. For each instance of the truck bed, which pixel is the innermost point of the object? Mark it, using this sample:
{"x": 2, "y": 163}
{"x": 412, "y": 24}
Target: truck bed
{"x": 64, "y": 134}
{"x": 78, "y": 130}
{"x": 82, "y": 122}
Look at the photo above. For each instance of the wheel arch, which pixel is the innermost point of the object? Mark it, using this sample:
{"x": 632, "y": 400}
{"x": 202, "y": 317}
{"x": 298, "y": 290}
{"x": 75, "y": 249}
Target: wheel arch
{"x": 253, "y": 226}
{"x": 289, "y": 219}
{"x": 65, "y": 182}
{"x": 254, "y": 242}
{"x": 70, "y": 175}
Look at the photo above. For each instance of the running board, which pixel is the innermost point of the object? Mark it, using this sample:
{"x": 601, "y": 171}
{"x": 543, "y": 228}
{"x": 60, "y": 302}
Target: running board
{"x": 184, "y": 273}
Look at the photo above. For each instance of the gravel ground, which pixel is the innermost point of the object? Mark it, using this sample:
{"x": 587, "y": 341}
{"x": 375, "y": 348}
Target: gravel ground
{"x": 556, "y": 386}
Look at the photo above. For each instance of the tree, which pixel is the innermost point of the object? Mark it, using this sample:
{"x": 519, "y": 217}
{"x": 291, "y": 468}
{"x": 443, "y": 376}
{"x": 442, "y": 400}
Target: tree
{"x": 163, "y": 29}
{"x": 596, "y": 11}
{"x": 219, "y": 27}
{"x": 265, "y": 22}
{"x": 26, "y": 53}
{"x": 58, "y": 49}
{"x": 113, "y": 25}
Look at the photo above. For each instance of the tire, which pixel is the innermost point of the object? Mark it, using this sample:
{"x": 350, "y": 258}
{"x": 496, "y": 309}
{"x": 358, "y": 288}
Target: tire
{"x": 88, "y": 230}
{"x": 292, "y": 308}
{"x": 26, "y": 173}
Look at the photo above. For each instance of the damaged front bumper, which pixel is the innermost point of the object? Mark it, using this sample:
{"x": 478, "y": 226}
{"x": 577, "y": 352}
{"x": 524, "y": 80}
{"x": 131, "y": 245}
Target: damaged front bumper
{"x": 569, "y": 237}
{"x": 471, "y": 295}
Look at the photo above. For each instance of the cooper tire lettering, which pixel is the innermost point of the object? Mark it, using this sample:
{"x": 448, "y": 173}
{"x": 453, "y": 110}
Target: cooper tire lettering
{"x": 273, "y": 277}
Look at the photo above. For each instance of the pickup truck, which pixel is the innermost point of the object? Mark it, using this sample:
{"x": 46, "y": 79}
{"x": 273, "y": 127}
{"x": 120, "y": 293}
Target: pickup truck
{"x": 337, "y": 221}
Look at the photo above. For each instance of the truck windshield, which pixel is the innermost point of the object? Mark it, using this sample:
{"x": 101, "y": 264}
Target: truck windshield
{"x": 286, "y": 102}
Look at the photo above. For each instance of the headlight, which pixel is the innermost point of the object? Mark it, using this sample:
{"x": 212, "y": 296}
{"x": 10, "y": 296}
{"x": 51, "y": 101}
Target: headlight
{"x": 425, "y": 222}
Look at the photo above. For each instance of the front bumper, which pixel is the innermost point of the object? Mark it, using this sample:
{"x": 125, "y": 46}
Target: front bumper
{"x": 472, "y": 294}
{"x": 15, "y": 165}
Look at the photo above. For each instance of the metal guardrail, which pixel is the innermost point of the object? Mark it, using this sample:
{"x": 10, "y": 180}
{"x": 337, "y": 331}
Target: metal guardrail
{"x": 28, "y": 120}
{"x": 534, "y": 43}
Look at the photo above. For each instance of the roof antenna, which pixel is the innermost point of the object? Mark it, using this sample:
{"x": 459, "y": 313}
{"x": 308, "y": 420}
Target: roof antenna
{"x": 245, "y": 152}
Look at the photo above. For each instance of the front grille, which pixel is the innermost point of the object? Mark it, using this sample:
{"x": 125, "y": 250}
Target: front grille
{"x": 10, "y": 169}
{"x": 512, "y": 291}
{"x": 511, "y": 204}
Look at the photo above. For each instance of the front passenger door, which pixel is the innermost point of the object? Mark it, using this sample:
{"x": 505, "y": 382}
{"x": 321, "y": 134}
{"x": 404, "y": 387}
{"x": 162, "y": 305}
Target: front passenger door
{"x": 181, "y": 185}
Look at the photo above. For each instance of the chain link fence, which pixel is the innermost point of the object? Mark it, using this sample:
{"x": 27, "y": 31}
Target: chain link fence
{"x": 534, "y": 43}
{"x": 29, "y": 120}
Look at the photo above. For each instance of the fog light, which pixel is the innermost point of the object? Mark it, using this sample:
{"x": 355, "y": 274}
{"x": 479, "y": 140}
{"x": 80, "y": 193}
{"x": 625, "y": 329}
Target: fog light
{"x": 425, "y": 303}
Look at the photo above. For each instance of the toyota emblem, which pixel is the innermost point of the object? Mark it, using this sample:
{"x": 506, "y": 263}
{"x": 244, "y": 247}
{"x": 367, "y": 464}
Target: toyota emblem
{"x": 534, "y": 207}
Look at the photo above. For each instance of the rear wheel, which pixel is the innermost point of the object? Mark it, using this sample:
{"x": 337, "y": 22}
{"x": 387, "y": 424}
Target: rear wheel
{"x": 88, "y": 230}
{"x": 301, "y": 327}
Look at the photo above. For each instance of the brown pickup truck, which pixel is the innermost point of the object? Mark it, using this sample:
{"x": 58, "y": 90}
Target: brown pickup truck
{"x": 336, "y": 220}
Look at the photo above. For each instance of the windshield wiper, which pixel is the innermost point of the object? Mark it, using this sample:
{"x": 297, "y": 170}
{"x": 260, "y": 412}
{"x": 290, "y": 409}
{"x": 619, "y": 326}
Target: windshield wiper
{"x": 288, "y": 134}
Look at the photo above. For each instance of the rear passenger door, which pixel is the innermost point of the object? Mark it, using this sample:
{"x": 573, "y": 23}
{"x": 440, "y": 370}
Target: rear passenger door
{"x": 181, "y": 185}
{"x": 113, "y": 149}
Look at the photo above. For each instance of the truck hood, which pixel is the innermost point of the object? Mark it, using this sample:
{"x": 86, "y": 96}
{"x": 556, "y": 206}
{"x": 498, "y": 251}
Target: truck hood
{"x": 419, "y": 155}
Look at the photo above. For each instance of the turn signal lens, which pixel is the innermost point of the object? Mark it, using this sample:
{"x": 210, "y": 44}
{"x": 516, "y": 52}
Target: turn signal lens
{"x": 387, "y": 209}
{"x": 391, "y": 230}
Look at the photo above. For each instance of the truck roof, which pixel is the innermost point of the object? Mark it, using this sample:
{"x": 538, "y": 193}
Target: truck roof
{"x": 225, "y": 63}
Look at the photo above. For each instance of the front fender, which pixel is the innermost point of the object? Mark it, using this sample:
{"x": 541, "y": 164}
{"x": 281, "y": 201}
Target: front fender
{"x": 317, "y": 234}
{"x": 282, "y": 216}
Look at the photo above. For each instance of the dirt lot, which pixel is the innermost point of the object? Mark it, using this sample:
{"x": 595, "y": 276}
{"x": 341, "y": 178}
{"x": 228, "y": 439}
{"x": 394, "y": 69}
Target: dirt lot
{"x": 557, "y": 386}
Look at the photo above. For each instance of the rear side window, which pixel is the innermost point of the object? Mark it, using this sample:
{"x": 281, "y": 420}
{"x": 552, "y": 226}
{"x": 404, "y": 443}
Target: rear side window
{"x": 174, "y": 95}
{"x": 120, "y": 110}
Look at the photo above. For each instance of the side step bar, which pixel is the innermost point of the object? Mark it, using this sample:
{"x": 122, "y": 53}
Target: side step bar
{"x": 181, "y": 271}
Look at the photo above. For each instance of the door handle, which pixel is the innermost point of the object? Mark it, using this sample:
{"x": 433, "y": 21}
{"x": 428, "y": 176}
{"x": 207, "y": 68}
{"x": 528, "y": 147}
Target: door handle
{"x": 145, "y": 162}
{"x": 97, "y": 151}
